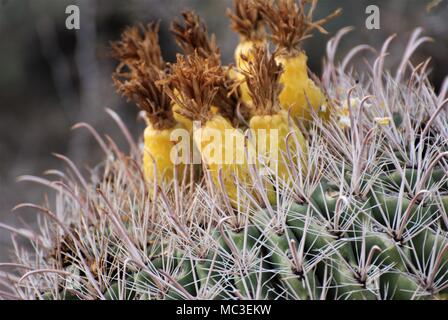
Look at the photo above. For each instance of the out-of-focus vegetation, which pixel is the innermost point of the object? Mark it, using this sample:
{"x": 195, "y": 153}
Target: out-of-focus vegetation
{"x": 51, "y": 78}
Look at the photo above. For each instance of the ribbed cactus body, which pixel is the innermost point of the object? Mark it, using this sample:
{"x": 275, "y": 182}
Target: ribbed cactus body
{"x": 325, "y": 247}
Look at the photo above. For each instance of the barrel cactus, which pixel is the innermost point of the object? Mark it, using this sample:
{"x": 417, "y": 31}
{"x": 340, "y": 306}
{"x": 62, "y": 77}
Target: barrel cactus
{"x": 362, "y": 215}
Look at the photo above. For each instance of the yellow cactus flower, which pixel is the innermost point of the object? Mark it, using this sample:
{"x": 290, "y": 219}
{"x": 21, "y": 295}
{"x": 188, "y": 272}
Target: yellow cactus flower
{"x": 158, "y": 154}
{"x": 223, "y": 148}
{"x": 300, "y": 92}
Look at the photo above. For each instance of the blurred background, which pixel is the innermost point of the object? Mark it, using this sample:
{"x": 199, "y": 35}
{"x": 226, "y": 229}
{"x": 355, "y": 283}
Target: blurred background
{"x": 52, "y": 78}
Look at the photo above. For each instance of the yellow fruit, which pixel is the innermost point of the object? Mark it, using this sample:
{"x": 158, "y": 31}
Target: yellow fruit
{"x": 243, "y": 56}
{"x": 181, "y": 119}
{"x": 244, "y": 49}
{"x": 243, "y": 91}
{"x": 223, "y": 148}
{"x": 300, "y": 93}
{"x": 271, "y": 132}
{"x": 281, "y": 146}
{"x": 141, "y": 55}
{"x": 159, "y": 156}
{"x": 225, "y": 152}
{"x": 187, "y": 123}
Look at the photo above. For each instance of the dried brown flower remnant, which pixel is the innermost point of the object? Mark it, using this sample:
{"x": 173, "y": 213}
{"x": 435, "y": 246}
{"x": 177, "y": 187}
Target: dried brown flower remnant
{"x": 139, "y": 52}
{"x": 291, "y": 23}
{"x": 139, "y": 44}
{"x": 192, "y": 36}
{"x": 263, "y": 79}
{"x": 200, "y": 79}
{"x": 246, "y": 19}
{"x": 197, "y": 81}
{"x": 141, "y": 87}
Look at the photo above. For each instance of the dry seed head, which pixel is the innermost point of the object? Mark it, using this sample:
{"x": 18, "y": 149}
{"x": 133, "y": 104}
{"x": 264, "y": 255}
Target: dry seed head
{"x": 193, "y": 36}
{"x": 263, "y": 79}
{"x": 291, "y": 23}
{"x": 141, "y": 87}
{"x": 139, "y": 52}
{"x": 197, "y": 81}
{"x": 246, "y": 19}
{"x": 202, "y": 83}
{"x": 139, "y": 44}
{"x": 227, "y": 99}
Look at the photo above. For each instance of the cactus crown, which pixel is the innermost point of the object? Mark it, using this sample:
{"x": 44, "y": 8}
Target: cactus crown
{"x": 139, "y": 44}
{"x": 192, "y": 36}
{"x": 263, "y": 79}
{"x": 291, "y": 23}
{"x": 246, "y": 19}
